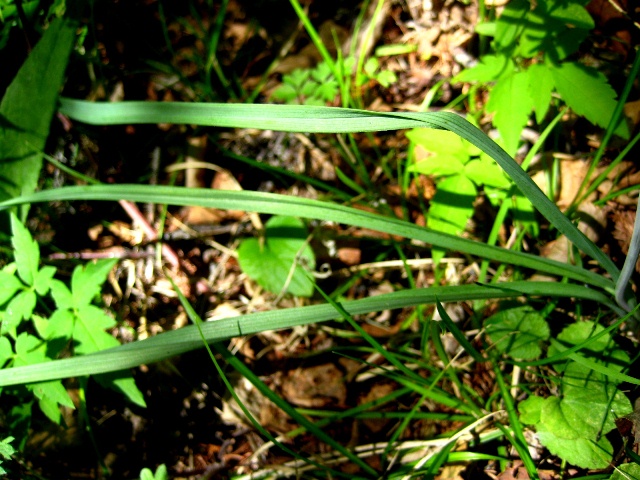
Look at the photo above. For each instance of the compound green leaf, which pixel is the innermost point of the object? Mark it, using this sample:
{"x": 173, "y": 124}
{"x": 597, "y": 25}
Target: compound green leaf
{"x": 587, "y": 92}
{"x": 60, "y": 325}
{"x": 43, "y": 279}
{"x": 19, "y": 308}
{"x": 511, "y": 24}
{"x": 28, "y": 350}
{"x": 285, "y": 247}
{"x": 61, "y": 295}
{"x": 518, "y": 332}
{"x": 25, "y": 251}
{"x": 512, "y": 104}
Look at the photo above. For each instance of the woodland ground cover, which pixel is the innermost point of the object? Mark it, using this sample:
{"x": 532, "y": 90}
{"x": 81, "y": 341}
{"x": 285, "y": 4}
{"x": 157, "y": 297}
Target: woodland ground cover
{"x": 403, "y": 235}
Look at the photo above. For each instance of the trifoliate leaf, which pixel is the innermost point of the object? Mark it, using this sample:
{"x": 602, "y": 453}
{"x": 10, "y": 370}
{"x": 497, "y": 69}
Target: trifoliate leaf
{"x": 518, "y": 332}
{"x": 587, "y": 92}
{"x": 25, "y": 251}
{"x": 284, "y": 248}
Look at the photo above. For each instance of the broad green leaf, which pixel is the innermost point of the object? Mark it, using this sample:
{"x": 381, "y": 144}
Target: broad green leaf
{"x": 50, "y": 409}
{"x": 627, "y": 471}
{"x": 484, "y": 171}
{"x": 9, "y": 285}
{"x": 43, "y": 279}
{"x": 437, "y": 141}
{"x": 452, "y": 205}
{"x": 27, "y": 109}
{"x": 588, "y": 93}
{"x": 285, "y": 247}
{"x": 594, "y": 393}
{"x": 327, "y": 90}
{"x": 386, "y": 78}
{"x": 540, "y": 88}
{"x": 54, "y": 390}
{"x": 87, "y": 280}
{"x": 371, "y": 65}
{"x": 89, "y": 330}
{"x": 518, "y": 332}
{"x": 438, "y": 165}
{"x": 512, "y": 104}
{"x": 530, "y": 410}
{"x": 25, "y": 250}
{"x": 124, "y": 383}
{"x": 489, "y": 69}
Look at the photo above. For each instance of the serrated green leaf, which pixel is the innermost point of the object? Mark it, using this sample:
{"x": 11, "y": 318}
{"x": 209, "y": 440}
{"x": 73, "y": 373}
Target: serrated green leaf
{"x": 518, "y": 332}
{"x": 484, "y": 171}
{"x": 327, "y": 91}
{"x": 540, "y": 88}
{"x": 6, "y": 351}
{"x": 60, "y": 325}
{"x": 587, "y": 92}
{"x": 54, "y": 390}
{"x": 309, "y": 88}
{"x": 6, "y": 450}
{"x": 270, "y": 264}
{"x": 89, "y": 330}
{"x": 43, "y": 279}
{"x": 9, "y": 285}
{"x": 489, "y": 69}
{"x": 124, "y": 383}
{"x": 19, "y": 308}
{"x": 297, "y": 78}
{"x": 61, "y": 295}
{"x": 452, "y": 205}
{"x": 512, "y": 104}
{"x": 25, "y": 251}
{"x": 322, "y": 73}
{"x": 50, "y": 409}
{"x": 87, "y": 281}
{"x": 28, "y": 350}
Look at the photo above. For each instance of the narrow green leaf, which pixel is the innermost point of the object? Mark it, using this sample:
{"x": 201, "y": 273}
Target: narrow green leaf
{"x": 458, "y": 334}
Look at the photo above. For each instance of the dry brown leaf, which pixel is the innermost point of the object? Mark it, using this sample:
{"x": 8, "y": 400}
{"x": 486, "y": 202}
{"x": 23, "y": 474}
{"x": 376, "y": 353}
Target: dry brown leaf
{"x": 319, "y": 386}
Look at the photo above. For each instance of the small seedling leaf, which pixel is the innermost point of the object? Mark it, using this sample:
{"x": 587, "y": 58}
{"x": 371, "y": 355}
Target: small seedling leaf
{"x": 587, "y": 92}
{"x": 269, "y": 265}
{"x": 386, "y": 78}
{"x": 518, "y": 332}
{"x": 25, "y": 251}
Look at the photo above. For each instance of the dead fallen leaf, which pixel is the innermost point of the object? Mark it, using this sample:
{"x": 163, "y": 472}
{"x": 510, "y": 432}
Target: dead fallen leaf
{"x": 319, "y": 386}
